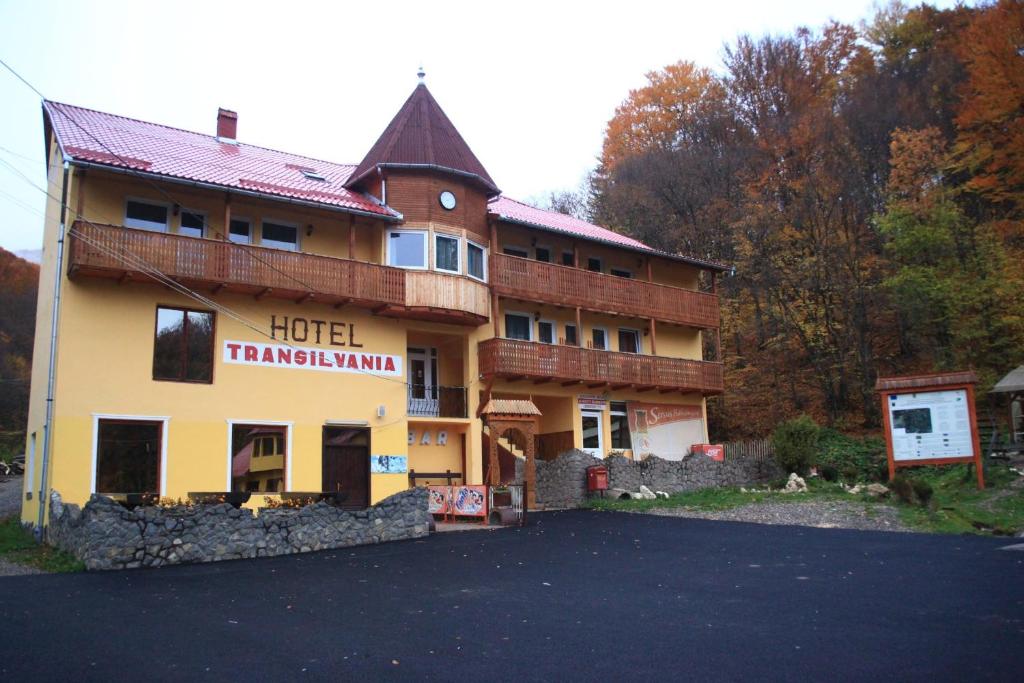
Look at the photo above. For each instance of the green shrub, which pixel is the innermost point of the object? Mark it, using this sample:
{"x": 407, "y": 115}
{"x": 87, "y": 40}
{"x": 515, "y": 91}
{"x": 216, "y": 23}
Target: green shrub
{"x": 796, "y": 444}
{"x": 923, "y": 490}
{"x": 829, "y": 472}
{"x": 859, "y": 459}
{"x": 902, "y": 488}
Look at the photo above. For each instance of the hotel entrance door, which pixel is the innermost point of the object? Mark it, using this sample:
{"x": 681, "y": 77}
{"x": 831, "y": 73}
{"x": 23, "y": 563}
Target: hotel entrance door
{"x": 346, "y": 465}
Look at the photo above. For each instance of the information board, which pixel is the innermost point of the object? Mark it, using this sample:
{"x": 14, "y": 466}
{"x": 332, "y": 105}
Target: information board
{"x": 930, "y": 425}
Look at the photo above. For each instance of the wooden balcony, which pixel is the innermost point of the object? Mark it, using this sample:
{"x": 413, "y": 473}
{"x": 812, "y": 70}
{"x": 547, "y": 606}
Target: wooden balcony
{"x": 114, "y": 252}
{"x": 522, "y": 278}
{"x": 127, "y": 254}
{"x": 515, "y": 359}
{"x": 441, "y": 297}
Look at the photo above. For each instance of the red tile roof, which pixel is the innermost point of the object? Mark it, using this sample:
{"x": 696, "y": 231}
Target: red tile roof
{"x": 422, "y": 136}
{"x": 92, "y": 136}
{"x": 524, "y": 214}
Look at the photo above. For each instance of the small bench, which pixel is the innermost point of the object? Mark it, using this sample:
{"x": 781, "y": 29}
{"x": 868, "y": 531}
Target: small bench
{"x": 447, "y": 475}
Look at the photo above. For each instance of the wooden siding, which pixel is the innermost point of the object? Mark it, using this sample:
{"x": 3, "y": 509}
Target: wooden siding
{"x": 512, "y": 358}
{"x": 416, "y": 197}
{"x": 429, "y": 289}
{"x": 102, "y": 250}
{"x": 522, "y": 278}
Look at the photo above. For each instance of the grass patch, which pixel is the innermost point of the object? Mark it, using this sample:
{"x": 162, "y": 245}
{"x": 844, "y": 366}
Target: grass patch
{"x": 18, "y": 545}
{"x": 957, "y": 506}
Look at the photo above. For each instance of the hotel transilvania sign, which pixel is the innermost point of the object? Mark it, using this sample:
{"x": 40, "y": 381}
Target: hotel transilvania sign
{"x": 336, "y": 334}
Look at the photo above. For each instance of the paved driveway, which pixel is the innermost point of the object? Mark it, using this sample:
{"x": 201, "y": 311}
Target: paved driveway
{"x": 578, "y": 595}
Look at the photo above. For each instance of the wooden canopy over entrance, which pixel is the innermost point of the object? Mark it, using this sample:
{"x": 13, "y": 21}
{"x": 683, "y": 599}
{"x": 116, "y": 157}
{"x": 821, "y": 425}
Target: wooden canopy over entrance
{"x": 520, "y": 415}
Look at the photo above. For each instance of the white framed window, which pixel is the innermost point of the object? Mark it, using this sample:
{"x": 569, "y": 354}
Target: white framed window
{"x": 546, "y": 331}
{"x": 599, "y": 339}
{"x": 511, "y": 250}
{"x": 446, "y": 253}
{"x": 476, "y": 261}
{"x": 193, "y": 223}
{"x": 407, "y": 248}
{"x": 518, "y": 326}
{"x": 621, "y": 272}
{"x": 146, "y": 215}
{"x": 619, "y": 426}
{"x": 629, "y": 341}
{"x": 129, "y": 454}
{"x": 269, "y": 439}
{"x": 279, "y": 235}
{"x": 240, "y": 231}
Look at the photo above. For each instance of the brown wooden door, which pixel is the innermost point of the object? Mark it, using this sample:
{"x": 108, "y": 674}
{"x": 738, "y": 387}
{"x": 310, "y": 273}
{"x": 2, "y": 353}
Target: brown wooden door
{"x": 346, "y": 465}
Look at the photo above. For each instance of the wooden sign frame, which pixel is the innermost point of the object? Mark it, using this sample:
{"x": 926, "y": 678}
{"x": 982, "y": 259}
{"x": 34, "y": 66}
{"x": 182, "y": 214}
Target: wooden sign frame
{"x": 923, "y": 384}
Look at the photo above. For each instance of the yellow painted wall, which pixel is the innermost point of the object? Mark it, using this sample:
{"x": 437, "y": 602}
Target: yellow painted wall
{"x": 664, "y": 271}
{"x": 434, "y": 457}
{"x": 671, "y": 340}
{"x": 106, "y": 194}
{"x": 108, "y": 368}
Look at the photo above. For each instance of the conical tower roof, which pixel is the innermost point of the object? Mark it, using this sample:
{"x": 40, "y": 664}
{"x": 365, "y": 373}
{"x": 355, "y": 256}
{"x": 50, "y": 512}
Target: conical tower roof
{"x": 422, "y": 136}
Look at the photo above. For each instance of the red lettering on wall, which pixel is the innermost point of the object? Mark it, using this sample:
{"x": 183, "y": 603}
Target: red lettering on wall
{"x": 367, "y": 362}
{"x": 389, "y": 364}
{"x": 284, "y": 356}
{"x": 268, "y": 354}
{"x": 352, "y": 362}
{"x": 300, "y": 357}
{"x": 234, "y": 350}
{"x": 250, "y": 352}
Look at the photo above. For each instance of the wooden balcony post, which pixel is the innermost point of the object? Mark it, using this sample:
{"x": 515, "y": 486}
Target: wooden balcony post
{"x": 226, "y": 236}
{"x": 351, "y": 237}
{"x": 579, "y": 328}
{"x": 575, "y": 255}
{"x": 654, "y": 337}
{"x": 650, "y": 276}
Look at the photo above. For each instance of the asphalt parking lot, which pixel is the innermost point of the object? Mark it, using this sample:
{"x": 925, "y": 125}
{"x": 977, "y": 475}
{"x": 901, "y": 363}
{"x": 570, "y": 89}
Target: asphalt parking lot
{"x": 577, "y": 595}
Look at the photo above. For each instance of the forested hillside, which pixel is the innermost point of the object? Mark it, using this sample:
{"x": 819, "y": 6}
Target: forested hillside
{"x": 19, "y": 281}
{"x": 868, "y": 185}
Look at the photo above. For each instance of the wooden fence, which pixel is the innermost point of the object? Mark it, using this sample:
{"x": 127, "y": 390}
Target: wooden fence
{"x": 758, "y": 449}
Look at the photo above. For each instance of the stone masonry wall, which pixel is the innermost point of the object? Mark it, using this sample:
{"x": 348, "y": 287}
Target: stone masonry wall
{"x": 105, "y": 535}
{"x": 562, "y": 482}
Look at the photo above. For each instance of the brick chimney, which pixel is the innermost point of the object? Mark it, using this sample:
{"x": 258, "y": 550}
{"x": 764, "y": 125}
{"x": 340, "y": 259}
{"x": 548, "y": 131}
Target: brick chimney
{"x": 227, "y": 125}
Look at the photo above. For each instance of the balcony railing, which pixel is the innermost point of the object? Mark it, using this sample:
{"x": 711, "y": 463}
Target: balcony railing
{"x": 512, "y": 358}
{"x": 448, "y": 298}
{"x": 111, "y": 251}
{"x": 427, "y": 400}
{"x": 523, "y": 278}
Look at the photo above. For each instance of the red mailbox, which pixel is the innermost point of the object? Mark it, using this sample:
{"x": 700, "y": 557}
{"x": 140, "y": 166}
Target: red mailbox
{"x": 715, "y": 451}
{"x": 597, "y": 478}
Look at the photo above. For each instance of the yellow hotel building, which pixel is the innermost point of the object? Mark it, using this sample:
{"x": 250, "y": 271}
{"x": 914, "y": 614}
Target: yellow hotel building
{"x": 215, "y": 316}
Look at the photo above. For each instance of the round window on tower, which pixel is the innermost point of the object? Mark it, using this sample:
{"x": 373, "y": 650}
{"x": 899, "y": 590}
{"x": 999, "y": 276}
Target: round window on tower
{"x": 447, "y": 199}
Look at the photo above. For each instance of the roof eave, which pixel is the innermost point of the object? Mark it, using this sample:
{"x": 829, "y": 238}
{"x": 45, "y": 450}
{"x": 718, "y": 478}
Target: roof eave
{"x": 706, "y": 265}
{"x": 393, "y": 216}
{"x": 490, "y": 187}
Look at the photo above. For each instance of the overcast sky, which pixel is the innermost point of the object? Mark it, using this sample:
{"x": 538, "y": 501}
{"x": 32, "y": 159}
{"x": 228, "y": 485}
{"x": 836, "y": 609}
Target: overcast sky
{"x": 530, "y": 85}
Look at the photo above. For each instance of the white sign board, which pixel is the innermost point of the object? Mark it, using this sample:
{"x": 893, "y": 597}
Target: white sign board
{"x": 306, "y": 358}
{"x": 930, "y": 425}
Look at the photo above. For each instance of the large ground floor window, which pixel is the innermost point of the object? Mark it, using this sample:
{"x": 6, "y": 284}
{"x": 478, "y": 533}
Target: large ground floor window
{"x": 258, "y": 458}
{"x": 128, "y": 456}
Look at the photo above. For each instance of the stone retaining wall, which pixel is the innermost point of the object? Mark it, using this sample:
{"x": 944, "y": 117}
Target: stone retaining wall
{"x": 105, "y": 535}
{"x": 562, "y": 482}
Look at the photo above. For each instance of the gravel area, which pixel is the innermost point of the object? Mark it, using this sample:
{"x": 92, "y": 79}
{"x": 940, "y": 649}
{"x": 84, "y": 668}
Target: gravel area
{"x": 12, "y": 569}
{"x": 10, "y": 496}
{"x": 826, "y": 514}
